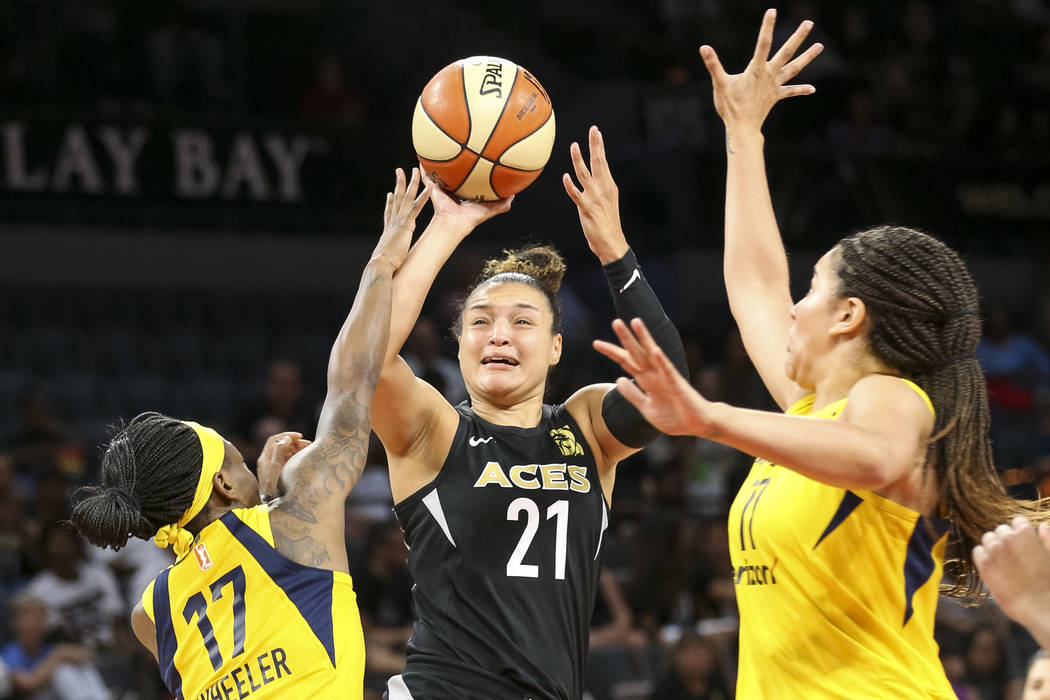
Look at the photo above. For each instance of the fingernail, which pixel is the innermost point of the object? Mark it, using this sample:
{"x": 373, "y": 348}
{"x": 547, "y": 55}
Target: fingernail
{"x": 772, "y": 12}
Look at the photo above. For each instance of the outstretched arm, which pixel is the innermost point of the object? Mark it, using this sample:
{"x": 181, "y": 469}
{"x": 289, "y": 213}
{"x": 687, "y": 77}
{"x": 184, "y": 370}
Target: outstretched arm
{"x": 755, "y": 263}
{"x": 873, "y": 444}
{"x": 307, "y": 520}
{"x": 405, "y": 407}
{"x": 619, "y": 429}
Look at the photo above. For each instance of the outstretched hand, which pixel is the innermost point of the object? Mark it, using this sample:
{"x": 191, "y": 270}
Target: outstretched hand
{"x": 1014, "y": 564}
{"x": 465, "y": 213}
{"x": 597, "y": 199}
{"x": 744, "y": 99}
{"x": 399, "y": 219}
{"x": 660, "y": 392}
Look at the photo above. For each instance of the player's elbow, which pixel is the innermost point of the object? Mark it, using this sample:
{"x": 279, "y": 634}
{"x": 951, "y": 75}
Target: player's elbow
{"x": 353, "y": 378}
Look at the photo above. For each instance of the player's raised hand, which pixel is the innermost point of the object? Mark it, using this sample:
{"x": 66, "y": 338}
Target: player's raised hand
{"x": 399, "y": 219}
{"x": 278, "y": 449}
{"x": 597, "y": 199}
{"x": 1015, "y": 566}
{"x": 660, "y": 392}
{"x": 465, "y": 213}
{"x": 744, "y": 99}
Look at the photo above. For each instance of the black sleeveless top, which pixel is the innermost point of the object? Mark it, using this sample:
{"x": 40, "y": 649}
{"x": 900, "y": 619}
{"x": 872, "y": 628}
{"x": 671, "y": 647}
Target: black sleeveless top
{"x": 505, "y": 549}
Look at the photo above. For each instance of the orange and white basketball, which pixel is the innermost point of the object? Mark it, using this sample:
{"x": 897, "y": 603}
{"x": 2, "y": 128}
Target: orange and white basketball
{"x": 483, "y": 128}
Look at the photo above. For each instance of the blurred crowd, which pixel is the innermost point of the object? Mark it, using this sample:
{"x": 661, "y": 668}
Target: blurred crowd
{"x": 665, "y": 622}
{"x": 909, "y": 78}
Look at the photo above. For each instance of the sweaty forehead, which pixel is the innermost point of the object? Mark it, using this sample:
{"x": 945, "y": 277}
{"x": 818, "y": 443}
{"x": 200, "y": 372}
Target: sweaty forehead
{"x": 507, "y": 294}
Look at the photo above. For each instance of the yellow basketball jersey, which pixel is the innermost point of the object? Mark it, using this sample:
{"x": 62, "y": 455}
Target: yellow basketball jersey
{"x": 236, "y": 619}
{"x": 836, "y": 588}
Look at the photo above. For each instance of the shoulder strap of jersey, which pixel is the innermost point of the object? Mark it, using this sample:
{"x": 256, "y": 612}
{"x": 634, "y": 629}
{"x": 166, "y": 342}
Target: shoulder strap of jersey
{"x": 258, "y": 519}
{"x": 922, "y": 395}
{"x": 802, "y": 406}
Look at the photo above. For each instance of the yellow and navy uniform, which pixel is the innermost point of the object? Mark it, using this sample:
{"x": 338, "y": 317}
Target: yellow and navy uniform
{"x": 236, "y": 619}
{"x": 837, "y": 588}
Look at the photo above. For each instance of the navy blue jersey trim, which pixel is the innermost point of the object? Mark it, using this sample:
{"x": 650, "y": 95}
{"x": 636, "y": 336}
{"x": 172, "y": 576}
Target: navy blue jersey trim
{"x": 309, "y": 588}
{"x": 849, "y": 502}
{"x": 166, "y": 641}
{"x": 918, "y": 564}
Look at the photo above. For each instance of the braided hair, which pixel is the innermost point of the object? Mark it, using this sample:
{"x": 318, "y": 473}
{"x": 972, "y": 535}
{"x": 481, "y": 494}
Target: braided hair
{"x": 537, "y": 266}
{"x": 150, "y": 471}
{"x": 925, "y": 323}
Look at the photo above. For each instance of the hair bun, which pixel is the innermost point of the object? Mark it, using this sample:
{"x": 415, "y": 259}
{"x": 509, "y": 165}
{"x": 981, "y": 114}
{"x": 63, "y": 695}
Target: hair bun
{"x": 108, "y": 517}
{"x": 542, "y": 262}
{"x": 126, "y": 498}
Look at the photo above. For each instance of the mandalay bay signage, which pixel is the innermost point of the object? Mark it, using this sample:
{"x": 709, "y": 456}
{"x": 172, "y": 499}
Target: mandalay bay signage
{"x": 186, "y": 163}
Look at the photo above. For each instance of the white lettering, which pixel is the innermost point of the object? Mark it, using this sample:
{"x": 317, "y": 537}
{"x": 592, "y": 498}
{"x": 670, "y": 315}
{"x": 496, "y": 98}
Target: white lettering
{"x": 196, "y": 173}
{"x": 76, "y": 160}
{"x": 288, "y": 158}
{"x": 17, "y": 175}
{"x": 245, "y": 167}
{"x": 124, "y": 152}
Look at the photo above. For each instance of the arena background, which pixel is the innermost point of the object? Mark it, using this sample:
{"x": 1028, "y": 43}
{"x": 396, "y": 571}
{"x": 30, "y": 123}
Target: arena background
{"x": 189, "y": 190}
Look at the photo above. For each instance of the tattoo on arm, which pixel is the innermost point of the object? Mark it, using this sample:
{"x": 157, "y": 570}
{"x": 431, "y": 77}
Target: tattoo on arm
{"x": 729, "y": 145}
{"x": 320, "y": 483}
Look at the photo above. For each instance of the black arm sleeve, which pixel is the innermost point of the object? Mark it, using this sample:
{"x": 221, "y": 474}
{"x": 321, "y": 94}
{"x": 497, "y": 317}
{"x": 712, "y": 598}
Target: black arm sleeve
{"x": 634, "y": 298}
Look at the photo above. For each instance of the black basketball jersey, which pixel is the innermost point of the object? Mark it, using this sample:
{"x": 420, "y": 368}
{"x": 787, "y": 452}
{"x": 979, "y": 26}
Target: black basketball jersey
{"x": 505, "y": 549}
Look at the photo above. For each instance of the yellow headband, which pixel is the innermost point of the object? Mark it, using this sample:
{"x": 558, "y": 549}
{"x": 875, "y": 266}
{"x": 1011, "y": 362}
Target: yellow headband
{"x": 214, "y": 453}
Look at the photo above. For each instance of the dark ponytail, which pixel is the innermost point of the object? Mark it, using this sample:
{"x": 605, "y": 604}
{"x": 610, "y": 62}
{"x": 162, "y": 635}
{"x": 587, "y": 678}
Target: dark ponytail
{"x": 925, "y": 323}
{"x": 150, "y": 471}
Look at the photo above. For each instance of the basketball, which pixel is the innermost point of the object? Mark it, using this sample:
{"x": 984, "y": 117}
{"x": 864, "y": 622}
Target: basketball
{"x": 483, "y": 128}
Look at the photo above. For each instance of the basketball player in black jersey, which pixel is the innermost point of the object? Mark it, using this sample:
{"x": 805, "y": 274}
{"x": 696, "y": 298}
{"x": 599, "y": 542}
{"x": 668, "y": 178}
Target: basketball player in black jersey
{"x": 503, "y": 499}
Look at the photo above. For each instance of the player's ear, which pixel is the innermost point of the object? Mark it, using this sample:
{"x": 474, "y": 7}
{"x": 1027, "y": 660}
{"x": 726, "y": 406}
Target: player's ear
{"x": 555, "y": 357}
{"x": 850, "y": 316}
{"x": 222, "y": 483}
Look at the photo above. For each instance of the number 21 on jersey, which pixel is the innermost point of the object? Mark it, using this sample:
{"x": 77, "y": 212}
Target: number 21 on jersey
{"x": 559, "y": 511}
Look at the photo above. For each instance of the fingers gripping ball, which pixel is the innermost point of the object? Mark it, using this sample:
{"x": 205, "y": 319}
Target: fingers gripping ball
{"x": 483, "y": 128}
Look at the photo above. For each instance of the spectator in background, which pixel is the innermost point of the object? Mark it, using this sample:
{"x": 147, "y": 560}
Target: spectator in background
{"x": 616, "y": 654}
{"x": 187, "y": 63}
{"x": 135, "y": 565}
{"x": 694, "y": 672}
{"x": 48, "y": 503}
{"x": 384, "y": 597}
{"x": 1037, "y": 679}
{"x": 83, "y": 599}
{"x": 13, "y": 540}
{"x": 986, "y": 663}
{"x": 40, "y": 438}
{"x": 331, "y": 101}
{"x": 283, "y": 406}
{"x": 6, "y": 682}
{"x": 369, "y": 503}
{"x": 1016, "y": 369}
{"x": 423, "y": 354}
{"x": 1040, "y": 464}
{"x": 862, "y": 132}
{"x": 955, "y": 668}
{"x": 42, "y": 671}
